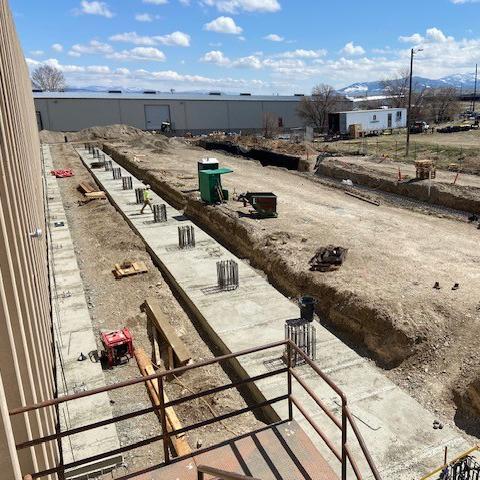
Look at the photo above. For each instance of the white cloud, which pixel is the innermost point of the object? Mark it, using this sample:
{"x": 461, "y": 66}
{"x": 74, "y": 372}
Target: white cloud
{"x": 95, "y": 8}
{"x": 223, "y": 25}
{"x": 351, "y": 49}
{"x": 36, "y": 53}
{"x": 94, "y": 47}
{"x": 139, "y": 53}
{"x": 301, "y": 53}
{"x": 235, "y": 6}
{"x": 102, "y": 69}
{"x": 144, "y": 17}
{"x": 215, "y": 56}
{"x": 416, "y": 38}
{"x": 248, "y": 62}
{"x": 436, "y": 35}
{"x": 57, "y": 47}
{"x": 186, "y": 3}
{"x": 462, "y": 2}
{"x": 178, "y": 39}
{"x": 273, "y": 37}
{"x": 156, "y": 2}
{"x": 133, "y": 37}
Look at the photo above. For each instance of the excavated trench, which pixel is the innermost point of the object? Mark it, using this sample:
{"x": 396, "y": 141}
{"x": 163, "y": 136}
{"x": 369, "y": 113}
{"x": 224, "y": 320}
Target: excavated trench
{"x": 463, "y": 198}
{"x": 373, "y": 330}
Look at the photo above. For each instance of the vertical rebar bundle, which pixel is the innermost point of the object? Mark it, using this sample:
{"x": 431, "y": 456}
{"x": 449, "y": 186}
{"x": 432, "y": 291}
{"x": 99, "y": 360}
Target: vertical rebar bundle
{"x": 139, "y": 195}
{"x": 108, "y": 165}
{"x": 96, "y": 153}
{"x": 186, "y": 236}
{"x": 227, "y": 274}
{"x": 303, "y": 334}
{"x": 127, "y": 183}
{"x": 117, "y": 173}
{"x": 159, "y": 213}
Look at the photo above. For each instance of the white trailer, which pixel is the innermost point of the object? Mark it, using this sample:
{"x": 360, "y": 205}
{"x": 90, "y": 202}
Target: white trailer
{"x": 370, "y": 121}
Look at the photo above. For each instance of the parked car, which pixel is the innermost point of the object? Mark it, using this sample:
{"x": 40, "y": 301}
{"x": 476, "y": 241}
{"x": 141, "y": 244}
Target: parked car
{"x": 419, "y": 127}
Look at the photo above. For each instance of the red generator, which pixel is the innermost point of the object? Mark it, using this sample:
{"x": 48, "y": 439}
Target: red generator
{"x": 118, "y": 347}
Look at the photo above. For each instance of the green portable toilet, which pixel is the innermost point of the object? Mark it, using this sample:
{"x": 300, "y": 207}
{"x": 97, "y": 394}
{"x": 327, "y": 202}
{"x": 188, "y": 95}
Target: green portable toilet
{"x": 206, "y": 163}
{"x": 211, "y": 189}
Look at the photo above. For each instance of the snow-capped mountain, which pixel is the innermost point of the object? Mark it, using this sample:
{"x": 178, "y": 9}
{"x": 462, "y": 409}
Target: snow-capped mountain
{"x": 461, "y": 81}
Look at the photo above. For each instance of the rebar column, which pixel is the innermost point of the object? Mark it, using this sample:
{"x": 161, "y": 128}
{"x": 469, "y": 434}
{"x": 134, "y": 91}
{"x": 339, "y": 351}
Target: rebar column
{"x": 127, "y": 183}
{"x": 304, "y": 335}
{"x": 117, "y": 173}
{"x": 227, "y": 274}
{"x": 186, "y": 236}
{"x": 139, "y": 195}
{"x": 108, "y": 165}
{"x": 159, "y": 213}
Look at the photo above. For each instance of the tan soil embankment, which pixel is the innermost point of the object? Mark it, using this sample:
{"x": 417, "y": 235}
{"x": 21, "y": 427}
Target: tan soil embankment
{"x": 365, "y": 324}
{"x": 465, "y": 198}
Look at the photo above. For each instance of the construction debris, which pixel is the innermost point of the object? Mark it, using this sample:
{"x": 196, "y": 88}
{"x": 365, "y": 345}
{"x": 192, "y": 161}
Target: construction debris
{"x": 63, "y": 173}
{"x": 127, "y": 269}
{"x": 328, "y": 258}
{"x": 263, "y": 203}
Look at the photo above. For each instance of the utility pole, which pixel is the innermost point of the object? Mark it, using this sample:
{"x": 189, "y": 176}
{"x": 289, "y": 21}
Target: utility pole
{"x": 475, "y": 89}
{"x": 412, "y": 53}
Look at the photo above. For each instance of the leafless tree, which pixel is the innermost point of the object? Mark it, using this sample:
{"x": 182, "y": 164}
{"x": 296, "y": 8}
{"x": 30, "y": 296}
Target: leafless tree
{"x": 48, "y": 79}
{"x": 314, "y": 110}
{"x": 270, "y": 124}
{"x": 397, "y": 89}
{"x": 441, "y": 105}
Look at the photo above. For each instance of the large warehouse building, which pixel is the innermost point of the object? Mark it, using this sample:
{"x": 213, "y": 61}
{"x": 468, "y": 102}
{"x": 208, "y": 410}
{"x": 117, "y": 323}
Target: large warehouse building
{"x": 195, "y": 113}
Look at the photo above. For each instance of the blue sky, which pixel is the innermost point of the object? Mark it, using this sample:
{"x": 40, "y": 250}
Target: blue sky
{"x": 258, "y": 46}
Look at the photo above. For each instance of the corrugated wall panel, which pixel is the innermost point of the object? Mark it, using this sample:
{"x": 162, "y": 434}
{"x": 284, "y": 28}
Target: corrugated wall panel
{"x": 26, "y": 353}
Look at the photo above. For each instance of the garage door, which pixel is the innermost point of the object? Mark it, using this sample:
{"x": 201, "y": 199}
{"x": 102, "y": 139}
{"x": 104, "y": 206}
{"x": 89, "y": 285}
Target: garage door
{"x": 155, "y": 115}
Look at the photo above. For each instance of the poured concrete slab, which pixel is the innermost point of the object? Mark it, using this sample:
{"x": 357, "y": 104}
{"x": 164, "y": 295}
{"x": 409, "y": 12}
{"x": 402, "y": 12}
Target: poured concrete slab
{"x": 396, "y": 428}
{"x": 74, "y": 335}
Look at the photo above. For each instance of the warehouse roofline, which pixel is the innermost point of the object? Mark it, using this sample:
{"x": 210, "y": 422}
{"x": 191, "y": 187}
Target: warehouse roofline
{"x": 164, "y": 96}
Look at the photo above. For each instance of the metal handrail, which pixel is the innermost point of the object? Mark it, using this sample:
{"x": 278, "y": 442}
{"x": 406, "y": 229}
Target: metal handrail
{"x": 344, "y": 455}
{"x": 224, "y": 475}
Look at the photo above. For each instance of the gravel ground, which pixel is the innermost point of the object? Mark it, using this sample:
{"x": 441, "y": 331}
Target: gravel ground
{"x": 102, "y": 238}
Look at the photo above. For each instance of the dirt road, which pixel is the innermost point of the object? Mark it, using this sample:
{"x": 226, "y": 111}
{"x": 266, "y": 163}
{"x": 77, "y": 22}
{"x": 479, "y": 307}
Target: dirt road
{"x": 384, "y": 290}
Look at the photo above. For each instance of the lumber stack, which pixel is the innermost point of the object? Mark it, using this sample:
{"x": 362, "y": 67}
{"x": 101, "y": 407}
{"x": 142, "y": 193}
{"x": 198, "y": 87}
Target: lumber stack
{"x": 127, "y": 269}
{"x": 425, "y": 169}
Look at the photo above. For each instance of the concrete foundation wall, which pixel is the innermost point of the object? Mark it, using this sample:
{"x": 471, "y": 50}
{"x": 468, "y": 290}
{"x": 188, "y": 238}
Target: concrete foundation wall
{"x": 26, "y": 353}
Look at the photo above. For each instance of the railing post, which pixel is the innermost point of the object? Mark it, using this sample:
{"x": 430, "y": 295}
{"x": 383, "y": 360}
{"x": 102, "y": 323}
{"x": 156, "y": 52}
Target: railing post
{"x": 344, "y": 438}
{"x": 289, "y": 380}
{"x": 163, "y": 419}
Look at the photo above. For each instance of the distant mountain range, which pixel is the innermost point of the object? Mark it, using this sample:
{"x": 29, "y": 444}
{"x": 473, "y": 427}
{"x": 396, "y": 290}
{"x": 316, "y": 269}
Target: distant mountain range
{"x": 461, "y": 81}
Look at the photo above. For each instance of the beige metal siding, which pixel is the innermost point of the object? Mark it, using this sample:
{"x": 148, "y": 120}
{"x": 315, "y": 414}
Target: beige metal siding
{"x": 26, "y": 354}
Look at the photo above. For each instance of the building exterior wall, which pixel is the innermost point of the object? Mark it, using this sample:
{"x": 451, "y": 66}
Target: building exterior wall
{"x": 197, "y": 116}
{"x": 374, "y": 120}
{"x": 26, "y": 344}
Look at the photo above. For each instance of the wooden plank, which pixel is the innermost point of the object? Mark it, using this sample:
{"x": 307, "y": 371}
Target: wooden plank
{"x": 365, "y": 199}
{"x": 161, "y": 323}
{"x": 94, "y": 195}
{"x": 87, "y": 187}
{"x": 179, "y": 441}
{"x": 121, "y": 271}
